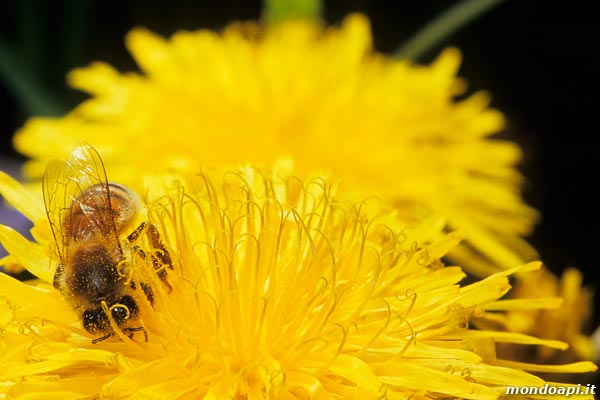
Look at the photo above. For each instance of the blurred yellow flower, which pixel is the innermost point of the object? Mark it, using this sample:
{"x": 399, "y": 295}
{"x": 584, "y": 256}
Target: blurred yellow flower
{"x": 321, "y": 96}
{"x": 570, "y": 322}
{"x": 280, "y": 289}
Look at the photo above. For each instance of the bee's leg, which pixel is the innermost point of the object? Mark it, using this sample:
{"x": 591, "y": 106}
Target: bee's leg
{"x": 131, "y": 331}
{"x": 162, "y": 253}
{"x": 160, "y": 256}
{"x": 101, "y": 338}
{"x": 146, "y": 289}
{"x": 56, "y": 282}
{"x": 159, "y": 269}
{"x": 133, "y": 236}
{"x": 140, "y": 252}
{"x": 148, "y": 292}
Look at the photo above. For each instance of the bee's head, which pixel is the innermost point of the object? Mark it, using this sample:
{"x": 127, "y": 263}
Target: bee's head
{"x": 95, "y": 320}
{"x": 124, "y": 309}
{"x": 121, "y": 311}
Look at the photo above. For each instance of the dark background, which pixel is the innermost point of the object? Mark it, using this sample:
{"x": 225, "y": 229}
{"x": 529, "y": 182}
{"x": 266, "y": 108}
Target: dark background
{"x": 537, "y": 58}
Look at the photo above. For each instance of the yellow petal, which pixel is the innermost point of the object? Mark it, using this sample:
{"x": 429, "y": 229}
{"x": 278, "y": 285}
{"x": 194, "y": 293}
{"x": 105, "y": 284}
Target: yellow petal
{"x": 23, "y": 200}
{"x": 28, "y": 254}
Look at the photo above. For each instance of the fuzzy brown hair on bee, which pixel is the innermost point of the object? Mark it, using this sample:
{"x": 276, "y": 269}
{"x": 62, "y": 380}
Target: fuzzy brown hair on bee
{"x": 96, "y": 224}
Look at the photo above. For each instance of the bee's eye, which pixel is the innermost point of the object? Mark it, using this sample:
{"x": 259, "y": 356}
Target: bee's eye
{"x": 120, "y": 313}
{"x": 124, "y": 309}
{"x": 94, "y": 320}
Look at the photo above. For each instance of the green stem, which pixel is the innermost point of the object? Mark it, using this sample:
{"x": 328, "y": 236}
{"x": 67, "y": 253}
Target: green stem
{"x": 276, "y": 11}
{"x": 74, "y": 32}
{"x": 30, "y": 27}
{"x": 28, "y": 90}
{"x": 443, "y": 26}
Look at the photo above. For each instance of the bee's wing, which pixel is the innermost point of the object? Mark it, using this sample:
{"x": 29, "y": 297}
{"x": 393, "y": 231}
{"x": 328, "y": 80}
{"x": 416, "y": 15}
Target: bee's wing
{"x": 85, "y": 166}
{"x": 53, "y": 188}
{"x": 64, "y": 187}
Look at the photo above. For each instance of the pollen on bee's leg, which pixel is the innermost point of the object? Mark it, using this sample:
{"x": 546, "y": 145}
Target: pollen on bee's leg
{"x": 148, "y": 292}
{"x": 162, "y": 274}
{"x": 133, "y": 236}
{"x": 160, "y": 252}
{"x": 157, "y": 257}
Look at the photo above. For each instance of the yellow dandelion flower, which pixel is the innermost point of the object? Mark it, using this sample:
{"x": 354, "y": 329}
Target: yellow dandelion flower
{"x": 324, "y": 98}
{"x": 568, "y": 322}
{"x": 276, "y": 288}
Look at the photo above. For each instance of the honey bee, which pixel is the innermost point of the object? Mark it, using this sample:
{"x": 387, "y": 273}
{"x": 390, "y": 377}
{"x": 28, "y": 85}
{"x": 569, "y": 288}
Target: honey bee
{"x": 89, "y": 216}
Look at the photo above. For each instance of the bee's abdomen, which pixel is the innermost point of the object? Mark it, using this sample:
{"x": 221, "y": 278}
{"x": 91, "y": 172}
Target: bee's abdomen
{"x": 101, "y": 209}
